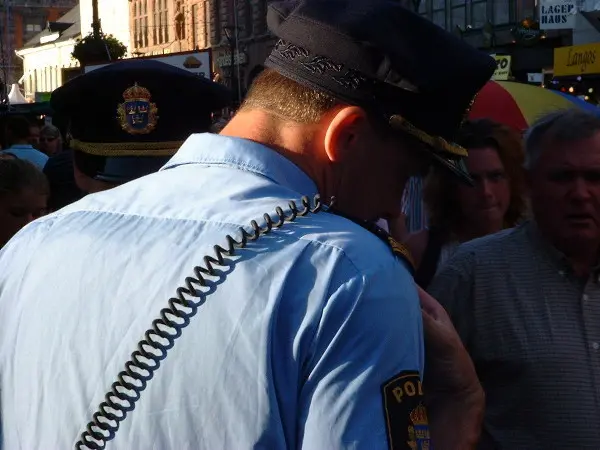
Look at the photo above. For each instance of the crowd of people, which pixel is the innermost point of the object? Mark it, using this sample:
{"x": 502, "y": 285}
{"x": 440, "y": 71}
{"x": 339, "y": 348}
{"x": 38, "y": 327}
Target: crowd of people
{"x": 409, "y": 297}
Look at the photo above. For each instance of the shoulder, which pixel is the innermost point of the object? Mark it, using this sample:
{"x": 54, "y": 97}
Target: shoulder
{"x": 494, "y": 244}
{"x": 18, "y": 253}
{"x": 478, "y": 255}
{"x": 363, "y": 249}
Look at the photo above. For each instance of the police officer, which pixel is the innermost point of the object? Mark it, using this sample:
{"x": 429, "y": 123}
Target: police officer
{"x": 311, "y": 335}
{"x": 128, "y": 118}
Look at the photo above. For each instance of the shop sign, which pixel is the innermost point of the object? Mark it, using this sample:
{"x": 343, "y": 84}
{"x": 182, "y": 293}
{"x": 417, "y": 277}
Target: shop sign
{"x": 557, "y": 14}
{"x": 577, "y": 60}
{"x": 527, "y": 32}
{"x": 197, "y": 62}
{"x": 502, "y": 67}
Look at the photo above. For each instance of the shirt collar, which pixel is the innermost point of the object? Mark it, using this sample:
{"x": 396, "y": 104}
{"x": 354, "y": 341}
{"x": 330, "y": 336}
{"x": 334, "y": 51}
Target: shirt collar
{"x": 542, "y": 244}
{"x": 21, "y": 147}
{"x": 242, "y": 154}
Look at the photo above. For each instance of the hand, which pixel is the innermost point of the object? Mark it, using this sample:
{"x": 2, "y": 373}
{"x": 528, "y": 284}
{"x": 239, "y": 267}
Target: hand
{"x": 455, "y": 398}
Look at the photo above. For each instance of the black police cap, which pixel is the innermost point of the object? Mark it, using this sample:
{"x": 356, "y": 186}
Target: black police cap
{"x": 128, "y": 118}
{"x": 378, "y": 55}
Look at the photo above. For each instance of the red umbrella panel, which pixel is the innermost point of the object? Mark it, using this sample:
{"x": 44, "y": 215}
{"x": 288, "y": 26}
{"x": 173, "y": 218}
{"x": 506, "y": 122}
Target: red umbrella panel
{"x": 518, "y": 105}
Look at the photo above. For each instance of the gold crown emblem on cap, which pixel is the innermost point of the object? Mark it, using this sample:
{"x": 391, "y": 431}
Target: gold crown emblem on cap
{"x": 137, "y": 114}
{"x": 418, "y": 416}
{"x": 136, "y": 92}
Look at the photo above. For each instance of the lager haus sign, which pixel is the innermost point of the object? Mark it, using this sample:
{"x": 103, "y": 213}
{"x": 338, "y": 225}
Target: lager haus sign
{"x": 557, "y": 14}
{"x": 577, "y": 60}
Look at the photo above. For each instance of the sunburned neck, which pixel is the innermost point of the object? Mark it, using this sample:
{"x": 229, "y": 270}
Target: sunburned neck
{"x": 294, "y": 141}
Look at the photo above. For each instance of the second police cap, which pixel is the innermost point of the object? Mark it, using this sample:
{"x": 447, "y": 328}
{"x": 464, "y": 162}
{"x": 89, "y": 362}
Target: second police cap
{"x": 379, "y": 55}
{"x": 128, "y": 118}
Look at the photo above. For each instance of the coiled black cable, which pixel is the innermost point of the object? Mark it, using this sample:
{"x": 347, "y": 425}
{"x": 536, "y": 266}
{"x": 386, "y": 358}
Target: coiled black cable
{"x": 160, "y": 338}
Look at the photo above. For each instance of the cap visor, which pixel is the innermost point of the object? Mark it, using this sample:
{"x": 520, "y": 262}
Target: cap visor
{"x": 455, "y": 165}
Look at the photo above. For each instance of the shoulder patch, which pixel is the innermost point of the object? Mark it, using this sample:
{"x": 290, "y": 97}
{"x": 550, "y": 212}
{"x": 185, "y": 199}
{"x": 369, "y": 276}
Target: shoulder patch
{"x": 405, "y": 413}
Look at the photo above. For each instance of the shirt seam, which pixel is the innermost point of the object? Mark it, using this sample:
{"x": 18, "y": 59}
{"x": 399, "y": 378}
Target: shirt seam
{"x": 55, "y": 216}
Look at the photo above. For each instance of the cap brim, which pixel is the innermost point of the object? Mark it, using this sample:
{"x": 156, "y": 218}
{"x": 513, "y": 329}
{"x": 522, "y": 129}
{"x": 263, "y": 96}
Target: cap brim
{"x": 447, "y": 154}
{"x": 456, "y": 165}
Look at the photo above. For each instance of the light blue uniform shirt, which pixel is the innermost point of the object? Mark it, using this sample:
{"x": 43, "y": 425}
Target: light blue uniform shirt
{"x": 291, "y": 350}
{"x": 28, "y": 153}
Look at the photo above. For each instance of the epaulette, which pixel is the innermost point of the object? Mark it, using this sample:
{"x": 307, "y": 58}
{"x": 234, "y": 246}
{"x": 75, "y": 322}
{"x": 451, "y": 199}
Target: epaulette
{"x": 399, "y": 250}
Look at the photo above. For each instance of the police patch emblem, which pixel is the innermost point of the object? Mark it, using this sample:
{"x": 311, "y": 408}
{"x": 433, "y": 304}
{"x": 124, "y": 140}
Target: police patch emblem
{"x": 137, "y": 114}
{"x": 405, "y": 414}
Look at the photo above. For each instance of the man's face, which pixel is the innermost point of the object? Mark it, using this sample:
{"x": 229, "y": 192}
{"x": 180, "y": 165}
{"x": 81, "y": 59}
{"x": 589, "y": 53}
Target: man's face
{"x": 565, "y": 193}
{"x": 34, "y": 136}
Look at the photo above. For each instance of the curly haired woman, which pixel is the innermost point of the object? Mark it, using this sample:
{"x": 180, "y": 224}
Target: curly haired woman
{"x": 459, "y": 213}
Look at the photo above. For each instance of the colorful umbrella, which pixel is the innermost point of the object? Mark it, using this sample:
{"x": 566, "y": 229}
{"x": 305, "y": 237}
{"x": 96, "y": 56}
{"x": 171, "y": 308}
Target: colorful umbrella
{"x": 519, "y": 105}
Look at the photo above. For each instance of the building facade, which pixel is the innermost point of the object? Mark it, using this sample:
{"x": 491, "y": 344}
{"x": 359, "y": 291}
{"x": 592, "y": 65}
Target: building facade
{"x": 46, "y": 58}
{"x": 501, "y": 27}
{"x": 20, "y": 20}
{"x": 46, "y": 61}
{"x": 235, "y": 30}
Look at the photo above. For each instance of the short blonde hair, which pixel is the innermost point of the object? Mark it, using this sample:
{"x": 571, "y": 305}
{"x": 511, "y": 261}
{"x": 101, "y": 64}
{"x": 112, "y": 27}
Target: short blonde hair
{"x": 287, "y": 99}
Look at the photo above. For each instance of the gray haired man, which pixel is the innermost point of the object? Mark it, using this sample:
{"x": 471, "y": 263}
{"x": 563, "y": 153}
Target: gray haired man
{"x": 526, "y": 301}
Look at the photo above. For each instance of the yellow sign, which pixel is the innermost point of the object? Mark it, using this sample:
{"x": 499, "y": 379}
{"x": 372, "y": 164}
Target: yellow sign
{"x": 503, "y": 68}
{"x": 577, "y": 60}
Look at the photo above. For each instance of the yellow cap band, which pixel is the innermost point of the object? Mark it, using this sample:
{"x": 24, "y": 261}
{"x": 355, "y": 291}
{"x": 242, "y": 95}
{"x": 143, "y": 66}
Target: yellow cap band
{"x": 127, "y": 148}
{"x": 438, "y": 143}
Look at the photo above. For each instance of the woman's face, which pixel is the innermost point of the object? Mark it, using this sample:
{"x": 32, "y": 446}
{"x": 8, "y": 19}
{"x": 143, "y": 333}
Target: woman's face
{"x": 486, "y": 203}
{"x": 18, "y": 209}
{"x": 49, "y": 145}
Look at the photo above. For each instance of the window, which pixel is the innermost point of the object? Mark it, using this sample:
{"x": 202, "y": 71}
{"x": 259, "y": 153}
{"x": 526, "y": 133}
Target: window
{"x": 161, "y": 23}
{"x": 206, "y": 23}
{"x": 439, "y": 12}
{"x": 165, "y": 20}
{"x": 233, "y": 16}
{"x": 503, "y": 12}
{"x": 179, "y": 22}
{"x": 423, "y": 7}
{"x": 33, "y": 27}
{"x": 154, "y": 24}
{"x": 526, "y": 9}
{"x": 145, "y": 33}
{"x": 195, "y": 21}
{"x": 215, "y": 21}
{"x": 439, "y": 18}
{"x": 140, "y": 24}
{"x": 478, "y": 14}
{"x": 200, "y": 24}
{"x": 458, "y": 17}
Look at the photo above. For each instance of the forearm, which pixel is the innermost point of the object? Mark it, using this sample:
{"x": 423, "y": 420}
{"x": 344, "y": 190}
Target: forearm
{"x": 455, "y": 421}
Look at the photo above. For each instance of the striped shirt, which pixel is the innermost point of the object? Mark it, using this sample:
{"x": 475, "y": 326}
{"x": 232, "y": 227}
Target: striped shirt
{"x": 412, "y": 205}
{"x": 533, "y": 330}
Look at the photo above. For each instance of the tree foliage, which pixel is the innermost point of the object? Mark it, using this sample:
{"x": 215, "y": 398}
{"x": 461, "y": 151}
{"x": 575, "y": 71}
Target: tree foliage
{"x": 100, "y": 49}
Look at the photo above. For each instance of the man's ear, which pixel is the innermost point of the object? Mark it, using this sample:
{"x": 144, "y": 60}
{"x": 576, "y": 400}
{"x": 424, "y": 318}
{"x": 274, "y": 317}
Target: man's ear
{"x": 343, "y": 131}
